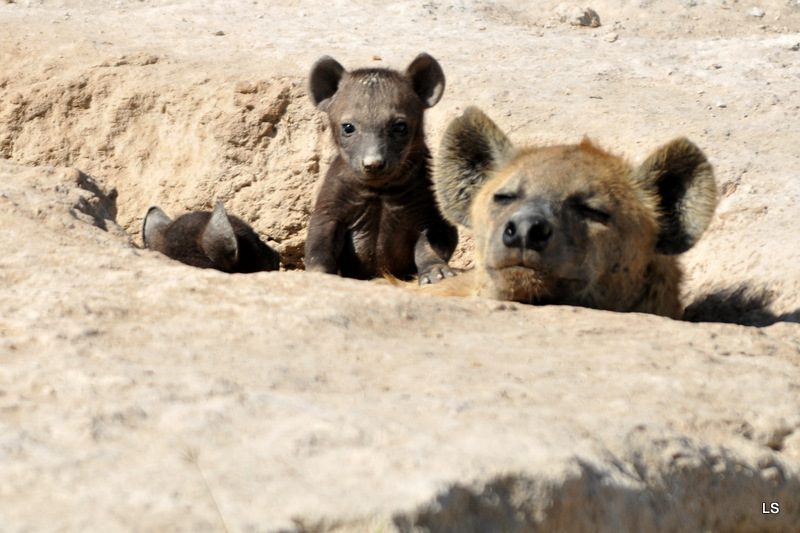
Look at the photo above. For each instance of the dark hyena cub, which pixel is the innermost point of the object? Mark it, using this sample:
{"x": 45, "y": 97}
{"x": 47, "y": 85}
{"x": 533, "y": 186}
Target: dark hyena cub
{"x": 376, "y": 213}
{"x": 208, "y": 239}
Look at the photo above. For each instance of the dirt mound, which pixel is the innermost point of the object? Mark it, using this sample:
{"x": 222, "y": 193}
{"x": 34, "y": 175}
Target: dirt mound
{"x": 161, "y": 139}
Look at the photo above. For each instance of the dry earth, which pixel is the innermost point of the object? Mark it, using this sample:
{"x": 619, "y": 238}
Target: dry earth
{"x": 138, "y": 394}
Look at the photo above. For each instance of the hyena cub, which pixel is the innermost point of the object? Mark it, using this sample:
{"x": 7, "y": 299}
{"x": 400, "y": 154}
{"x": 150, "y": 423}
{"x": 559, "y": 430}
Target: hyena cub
{"x": 376, "y": 213}
{"x": 572, "y": 224}
{"x": 208, "y": 239}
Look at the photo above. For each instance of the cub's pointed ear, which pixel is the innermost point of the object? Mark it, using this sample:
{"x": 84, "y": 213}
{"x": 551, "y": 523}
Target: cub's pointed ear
{"x": 681, "y": 178}
{"x": 323, "y": 82}
{"x": 153, "y": 227}
{"x": 219, "y": 240}
{"x": 427, "y": 78}
{"x": 472, "y": 148}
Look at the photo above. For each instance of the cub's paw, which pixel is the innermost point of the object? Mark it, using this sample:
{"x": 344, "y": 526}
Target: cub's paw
{"x": 435, "y": 275}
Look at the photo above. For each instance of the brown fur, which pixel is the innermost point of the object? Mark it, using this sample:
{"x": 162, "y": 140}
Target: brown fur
{"x": 376, "y": 211}
{"x": 208, "y": 239}
{"x": 572, "y": 224}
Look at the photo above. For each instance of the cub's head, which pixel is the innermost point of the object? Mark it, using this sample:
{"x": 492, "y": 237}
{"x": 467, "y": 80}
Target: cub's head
{"x": 573, "y": 224}
{"x": 208, "y": 240}
{"x": 376, "y": 114}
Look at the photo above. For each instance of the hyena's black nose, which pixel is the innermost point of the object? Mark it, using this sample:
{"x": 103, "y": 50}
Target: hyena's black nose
{"x": 373, "y": 164}
{"x": 527, "y": 230}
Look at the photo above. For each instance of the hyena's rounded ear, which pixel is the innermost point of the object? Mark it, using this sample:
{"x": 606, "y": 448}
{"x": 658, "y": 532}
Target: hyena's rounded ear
{"x": 153, "y": 227}
{"x": 681, "y": 178}
{"x": 219, "y": 240}
{"x": 427, "y": 78}
{"x": 324, "y": 81}
{"x": 472, "y": 148}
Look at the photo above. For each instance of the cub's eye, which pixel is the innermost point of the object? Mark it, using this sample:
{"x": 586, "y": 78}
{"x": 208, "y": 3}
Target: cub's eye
{"x": 348, "y": 129}
{"x": 400, "y": 128}
{"x": 592, "y": 213}
{"x": 505, "y": 198}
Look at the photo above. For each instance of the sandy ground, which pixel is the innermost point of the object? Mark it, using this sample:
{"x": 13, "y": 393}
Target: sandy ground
{"x": 137, "y": 394}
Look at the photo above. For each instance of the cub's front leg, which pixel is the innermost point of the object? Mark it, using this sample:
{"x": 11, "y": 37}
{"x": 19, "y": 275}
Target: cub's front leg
{"x": 324, "y": 243}
{"x": 326, "y": 229}
{"x": 433, "y": 251}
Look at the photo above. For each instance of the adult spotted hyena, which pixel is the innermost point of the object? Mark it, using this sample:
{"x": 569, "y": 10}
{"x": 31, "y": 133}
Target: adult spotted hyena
{"x": 572, "y": 224}
{"x": 208, "y": 239}
{"x": 376, "y": 212}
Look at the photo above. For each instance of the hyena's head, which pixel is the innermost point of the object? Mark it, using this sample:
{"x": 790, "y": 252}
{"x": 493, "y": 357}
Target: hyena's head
{"x": 574, "y": 224}
{"x": 376, "y": 114}
{"x": 208, "y": 240}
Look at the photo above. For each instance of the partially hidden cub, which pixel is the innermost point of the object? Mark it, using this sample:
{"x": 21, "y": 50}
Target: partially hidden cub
{"x": 208, "y": 239}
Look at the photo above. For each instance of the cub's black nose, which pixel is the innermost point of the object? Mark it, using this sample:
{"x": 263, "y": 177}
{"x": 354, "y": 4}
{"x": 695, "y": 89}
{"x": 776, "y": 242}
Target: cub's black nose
{"x": 525, "y": 230}
{"x": 373, "y": 165}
